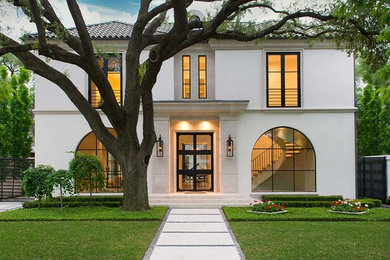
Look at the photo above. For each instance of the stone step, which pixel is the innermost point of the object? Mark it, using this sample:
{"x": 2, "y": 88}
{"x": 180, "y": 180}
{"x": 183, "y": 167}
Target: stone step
{"x": 199, "y": 205}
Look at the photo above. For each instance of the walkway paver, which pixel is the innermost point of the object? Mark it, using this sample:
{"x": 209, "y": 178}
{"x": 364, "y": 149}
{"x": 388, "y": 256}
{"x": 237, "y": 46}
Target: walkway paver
{"x": 6, "y": 206}
{"x": 195, "y": 234}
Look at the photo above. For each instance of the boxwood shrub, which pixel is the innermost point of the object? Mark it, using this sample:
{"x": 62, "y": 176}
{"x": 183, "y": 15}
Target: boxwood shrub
{"x": 302, "y": 198}
{"x": 311, "y": 204}
{"x": 56, "y": 204}
{"x": 377, "y": 202}
{"x": 87, "y": 198}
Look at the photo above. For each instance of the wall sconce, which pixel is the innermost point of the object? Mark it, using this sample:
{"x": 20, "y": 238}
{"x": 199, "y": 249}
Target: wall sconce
{"x": 160, "y": 147}
{"x": 229, "y": 147}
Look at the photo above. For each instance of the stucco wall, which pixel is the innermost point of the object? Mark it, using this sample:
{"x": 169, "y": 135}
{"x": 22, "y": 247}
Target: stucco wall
{"x": 332, "y": 137}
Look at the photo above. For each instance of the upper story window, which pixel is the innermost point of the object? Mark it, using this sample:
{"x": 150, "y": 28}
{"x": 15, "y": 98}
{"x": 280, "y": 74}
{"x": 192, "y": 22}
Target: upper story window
{"x": 111, "y": 64}
{"x": 186, "y": 75}
{"x": 283, "y": 82}
{"x": 202, "y": 76}
{"x": 201, "y": 68}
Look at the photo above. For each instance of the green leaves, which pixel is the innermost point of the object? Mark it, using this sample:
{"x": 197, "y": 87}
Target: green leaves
{"x": 87, "y": 171}
{"x": 15, "y": 114}
{"x": 37, "y": 182}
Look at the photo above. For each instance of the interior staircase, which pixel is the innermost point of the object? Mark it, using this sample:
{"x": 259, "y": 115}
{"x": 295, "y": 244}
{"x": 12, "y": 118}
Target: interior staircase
{"x": 266, "y": 163}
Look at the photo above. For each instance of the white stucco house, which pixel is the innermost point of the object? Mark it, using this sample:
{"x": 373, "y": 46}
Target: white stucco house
{"x": 276, "y": 117}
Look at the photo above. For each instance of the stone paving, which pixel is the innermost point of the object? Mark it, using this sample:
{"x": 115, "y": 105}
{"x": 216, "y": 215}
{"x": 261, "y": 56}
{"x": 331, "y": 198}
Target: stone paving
{"x": 195, "y": 234}
{"x": 5, "y": 206}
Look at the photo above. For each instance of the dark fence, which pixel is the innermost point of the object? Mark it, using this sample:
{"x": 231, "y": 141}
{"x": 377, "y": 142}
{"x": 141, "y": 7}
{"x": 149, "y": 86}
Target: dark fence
{"x": 371, "y": 177}
{"x": 11, "y": 175}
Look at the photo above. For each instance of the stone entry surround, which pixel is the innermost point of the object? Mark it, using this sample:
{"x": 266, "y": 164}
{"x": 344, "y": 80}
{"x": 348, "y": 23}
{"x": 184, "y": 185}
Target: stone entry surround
{"x": 194, "y": 234}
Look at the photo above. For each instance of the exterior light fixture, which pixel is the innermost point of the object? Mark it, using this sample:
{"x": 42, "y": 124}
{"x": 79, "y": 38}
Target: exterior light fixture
{"x": 160, "y": 147}
{"x": 229, "y": 147}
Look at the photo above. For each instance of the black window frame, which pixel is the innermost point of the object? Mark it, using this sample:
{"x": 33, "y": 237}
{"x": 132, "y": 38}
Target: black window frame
{"x": 282, "y": 72}
{"x": 182, "y": 76}
{"x": 205, "y": 70}
{"x": 105, "y": 70}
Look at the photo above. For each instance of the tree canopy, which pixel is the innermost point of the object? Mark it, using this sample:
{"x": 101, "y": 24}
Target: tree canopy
{"x": 15, "y": 114}
{"x": 353, "y": 27}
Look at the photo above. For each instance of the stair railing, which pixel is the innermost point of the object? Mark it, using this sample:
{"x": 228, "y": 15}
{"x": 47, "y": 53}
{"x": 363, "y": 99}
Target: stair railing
{"x": 266, "y": 158}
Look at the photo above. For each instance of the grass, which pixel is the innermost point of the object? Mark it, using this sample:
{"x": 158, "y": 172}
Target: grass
{"x": 83, "y": 214}
{"x": 76, "y": 239}
{"x": 313, "y": 240}
{"x": 305, "y": 214}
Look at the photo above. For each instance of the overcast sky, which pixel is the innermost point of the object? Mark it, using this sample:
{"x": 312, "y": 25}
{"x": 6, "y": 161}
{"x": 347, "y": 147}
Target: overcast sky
{"x": 15, "y": 23}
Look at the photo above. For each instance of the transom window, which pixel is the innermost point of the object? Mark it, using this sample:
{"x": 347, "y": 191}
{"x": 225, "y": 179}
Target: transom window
{"x": 111, "y": 64}
{"x": 283, "y": 82}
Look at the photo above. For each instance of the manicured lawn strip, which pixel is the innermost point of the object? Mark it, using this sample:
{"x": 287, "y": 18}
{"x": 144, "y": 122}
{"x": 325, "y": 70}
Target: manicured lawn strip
{"x": 76, "y": 240}
{"x": 313, "y": 240}
{"x": 83, "y": 214}
{"x": 305, "y": 214}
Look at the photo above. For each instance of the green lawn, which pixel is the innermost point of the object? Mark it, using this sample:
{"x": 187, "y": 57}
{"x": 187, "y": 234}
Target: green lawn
{"x": 305, "y": 214}
{"x": 82, "y": 214}
{"x": 76, "y": 239}
{"x": 313, "y": 240}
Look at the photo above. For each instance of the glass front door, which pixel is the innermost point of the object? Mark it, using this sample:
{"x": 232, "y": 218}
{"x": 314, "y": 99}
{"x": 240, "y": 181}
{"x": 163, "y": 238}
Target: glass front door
{"x": 195, "y": 161}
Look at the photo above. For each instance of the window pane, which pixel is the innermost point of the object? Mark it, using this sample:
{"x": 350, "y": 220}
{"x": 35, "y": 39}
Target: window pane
{"x": 283, "y": 181}
{"x": 114, "y": 77}
{"x": 186, "y": 162}
{"x": 95, "y": 95}
{"x": 186, "y": 142}
{"x": 305, "y": 181}
{"x": 203, "y": 142}
{"x": 301, "y": 140}
{"x": 186, "y": 77}
{"x": 264, "y": 141}
{"x": 291, "y": 62}
{"x": 114, "y": 63}
{"x": 203, "y": 162}
{"x": 202, "y": 91}
{"x": 203, "y": 182}
{"x": 186, "y": 182}
{"x": 262, "y": 182}
{"x": 202, "y": 62}
{"x": 274, "y": 63}
{"x": 186, "y": 62}
{"x": 89, "y": 142}
{"x": 274, "y": 89}
{"x": 202, "y": 77}
{"x": 304, "y": 159}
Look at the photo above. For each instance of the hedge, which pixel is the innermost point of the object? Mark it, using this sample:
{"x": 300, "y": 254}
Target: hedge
{"x": 302, "y": 198}
{"x": 377, "y": 202}
{"x": 56, "y": 204}
{"x": 311, "y": 204}
{"x": 87, "y": 198}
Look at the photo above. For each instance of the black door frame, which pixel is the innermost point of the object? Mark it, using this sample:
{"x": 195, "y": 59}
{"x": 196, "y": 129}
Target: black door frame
{"x": 194, "y": 152}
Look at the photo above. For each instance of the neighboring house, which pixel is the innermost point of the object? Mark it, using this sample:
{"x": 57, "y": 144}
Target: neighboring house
{"x": 239, "y": 118}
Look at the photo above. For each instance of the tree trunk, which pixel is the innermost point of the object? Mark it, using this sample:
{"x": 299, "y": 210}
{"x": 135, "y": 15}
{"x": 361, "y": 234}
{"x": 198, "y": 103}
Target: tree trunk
{"x": 135, "y": 188}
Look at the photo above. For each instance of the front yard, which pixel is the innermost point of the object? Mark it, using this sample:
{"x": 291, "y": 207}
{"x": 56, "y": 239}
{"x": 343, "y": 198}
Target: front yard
{"x": 311, "y": 233}
{"x": 77, "y": 233}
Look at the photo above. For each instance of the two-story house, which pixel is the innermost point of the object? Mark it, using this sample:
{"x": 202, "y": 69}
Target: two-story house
{"x": 231, "y": 117}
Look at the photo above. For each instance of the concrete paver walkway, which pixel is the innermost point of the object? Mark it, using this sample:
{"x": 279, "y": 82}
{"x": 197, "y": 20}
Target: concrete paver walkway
{"x": 5, "y": 206}
{"x": 195, "y": 234}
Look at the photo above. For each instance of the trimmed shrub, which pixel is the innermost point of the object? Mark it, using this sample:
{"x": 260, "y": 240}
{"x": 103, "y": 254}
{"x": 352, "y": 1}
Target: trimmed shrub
{"x": 311, "y": 204}
{"x": 302, "y": 198}
{"x": 87, "y": 198}
{"x": 56, "y": 204}
{"x": 377, "y": 202}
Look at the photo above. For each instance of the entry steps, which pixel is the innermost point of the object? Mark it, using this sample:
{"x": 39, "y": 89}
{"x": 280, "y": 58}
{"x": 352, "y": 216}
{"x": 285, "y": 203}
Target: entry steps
{"x": 207, "y": 200}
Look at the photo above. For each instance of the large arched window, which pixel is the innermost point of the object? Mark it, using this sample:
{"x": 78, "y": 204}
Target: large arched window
{"x": 283, "y": 160}
{"x": 113, "y": 175}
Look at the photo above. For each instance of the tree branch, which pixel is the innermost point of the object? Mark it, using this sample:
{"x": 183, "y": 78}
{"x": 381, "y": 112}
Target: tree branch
{"x": 16, "y": 48}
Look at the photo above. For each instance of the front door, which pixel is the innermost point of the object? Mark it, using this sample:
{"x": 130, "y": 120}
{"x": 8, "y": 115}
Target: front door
{"x": 194, "y": 161}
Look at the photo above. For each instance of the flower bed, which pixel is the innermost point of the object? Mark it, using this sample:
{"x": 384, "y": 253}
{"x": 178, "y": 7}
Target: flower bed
{"x": 267, "y": 207}
{"x": 348, "y": 206}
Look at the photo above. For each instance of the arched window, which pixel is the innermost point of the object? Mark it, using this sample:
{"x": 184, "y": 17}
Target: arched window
{"x": 283, "y": 160}
{"x": 113, "y": 175}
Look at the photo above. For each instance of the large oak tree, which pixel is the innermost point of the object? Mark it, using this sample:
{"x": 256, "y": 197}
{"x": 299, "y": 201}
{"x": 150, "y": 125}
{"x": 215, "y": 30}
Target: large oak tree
{"x": 132, "y": 151}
